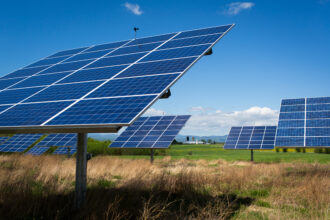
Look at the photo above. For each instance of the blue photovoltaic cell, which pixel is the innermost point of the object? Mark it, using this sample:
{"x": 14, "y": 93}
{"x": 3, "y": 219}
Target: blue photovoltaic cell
{"x": 87, "y": 56}
{"x": 106, "y": 46}
{"x": 24, "y": 72}
{"x": 136, "y": 49}
{"x": 134, "y": 86}
{"x": 65, "y": 150}
{"x": 304, "y": 122}
{"x": 37, "y": 150}
{"x": 31, "y": 114}
{"x": 41, "y": 80}
{"x": 59, "y": 140}
{"x": 251, "y": 137}
{"x": 103, "y": 111}
{"x": 93, "y": 74}
{"x": 157, "y": 67}
{"x": 4, "y": 83}
{"x": 62, "y": 67}
{"x": 19, "y": 142}
{"x": 48, "y": 61}
{"x": 151, "y": 39}
{"x": 191, "y": 41}
{"x": 16, "y": 95}
{"x": 176, "y": 53}
{"x": 117, "y": 60}
{"x": 151, "y": 132}
{"x": 141, "y": 59}
{"x": 68, "y": 52}
{"x": 68, "y": 91}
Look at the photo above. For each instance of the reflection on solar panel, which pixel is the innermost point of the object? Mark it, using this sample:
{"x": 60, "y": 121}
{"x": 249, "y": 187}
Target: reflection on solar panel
{"x": 251, "y": 137}
{"x": 304, "y": 122}
{"x": 59, "y": 140}
{"x": 151, "y": 132}
{"x": 109, "y": 84}
{"x": 65, "y": 150}
{"x": 37, "y": 150}
{"x": 19, "y": 142}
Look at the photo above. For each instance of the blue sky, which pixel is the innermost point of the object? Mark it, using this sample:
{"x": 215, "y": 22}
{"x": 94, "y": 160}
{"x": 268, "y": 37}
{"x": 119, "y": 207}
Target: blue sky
{"x": 278, "y": 49}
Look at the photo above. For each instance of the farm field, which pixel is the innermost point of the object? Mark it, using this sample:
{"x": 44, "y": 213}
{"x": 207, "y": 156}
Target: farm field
{"x": 216, "y": 152}
{"x": 212, "y": 183}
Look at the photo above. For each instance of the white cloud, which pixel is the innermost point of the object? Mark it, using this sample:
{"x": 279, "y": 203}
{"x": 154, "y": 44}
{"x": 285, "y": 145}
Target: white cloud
{"x": 236, "y": 7}
{"x": 134, "y": 8}
{"x": 154, "y": 112}
{"x": 205, "y": 121}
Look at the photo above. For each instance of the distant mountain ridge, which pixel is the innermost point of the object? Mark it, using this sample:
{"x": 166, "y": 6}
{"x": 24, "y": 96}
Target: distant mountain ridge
{"x": 179, "y": 138}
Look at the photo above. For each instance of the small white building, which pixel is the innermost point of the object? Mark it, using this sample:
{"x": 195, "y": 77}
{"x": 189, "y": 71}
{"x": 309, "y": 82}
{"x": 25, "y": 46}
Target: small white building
{"x": 194, "y": 142}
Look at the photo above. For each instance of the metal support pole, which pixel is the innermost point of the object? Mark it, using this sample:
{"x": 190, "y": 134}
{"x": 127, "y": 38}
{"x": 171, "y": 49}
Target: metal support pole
{"x": 151, "y": 155}
{"x": 81, "y": 170}
{"x": 252, "y": 155}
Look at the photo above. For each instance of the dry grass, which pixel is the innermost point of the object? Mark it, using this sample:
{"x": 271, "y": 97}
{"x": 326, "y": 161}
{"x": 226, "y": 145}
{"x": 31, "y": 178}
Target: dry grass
{"x": 42, "y": 187}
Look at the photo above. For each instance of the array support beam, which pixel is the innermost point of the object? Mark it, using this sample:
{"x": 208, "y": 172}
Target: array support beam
{"x": 151, "y": 155}
{"x": 81, "y": 170}
{"x": 252, "y": 155}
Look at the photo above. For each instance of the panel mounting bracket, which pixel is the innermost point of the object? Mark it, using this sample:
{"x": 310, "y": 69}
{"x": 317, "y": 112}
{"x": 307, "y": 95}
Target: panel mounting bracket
{"x": 209, "y": 52}
{"x": 166, "y": 94}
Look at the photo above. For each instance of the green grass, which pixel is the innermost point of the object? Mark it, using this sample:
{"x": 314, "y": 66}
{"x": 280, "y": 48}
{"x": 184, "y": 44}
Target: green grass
{"x": 215, "y": 152}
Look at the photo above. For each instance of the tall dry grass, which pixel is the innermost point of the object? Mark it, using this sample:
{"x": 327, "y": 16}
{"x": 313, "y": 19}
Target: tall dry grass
{"x": 42, "y": 187}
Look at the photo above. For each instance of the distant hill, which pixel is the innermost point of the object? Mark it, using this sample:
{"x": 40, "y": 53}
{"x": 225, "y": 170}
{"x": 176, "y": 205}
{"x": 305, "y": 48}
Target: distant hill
{"x": 180, "y": 138}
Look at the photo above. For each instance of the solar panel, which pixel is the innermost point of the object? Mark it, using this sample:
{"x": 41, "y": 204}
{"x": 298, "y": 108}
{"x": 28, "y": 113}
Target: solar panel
{"x": 104, "y": 85}
{"x": 251, "y": 137}
{"x": 3, "y": 139}
{"x": 37, "y": 150}
{"x": 304, "y": 122}
{"x": 19, "y": 142}
{"x": 59, "y": 140}
{"x": 151, "y": 132}
{"x": 65, "y": 150}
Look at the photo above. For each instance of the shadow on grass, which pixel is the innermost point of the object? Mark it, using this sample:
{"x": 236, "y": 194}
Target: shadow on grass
{"x": 121, "y": 203}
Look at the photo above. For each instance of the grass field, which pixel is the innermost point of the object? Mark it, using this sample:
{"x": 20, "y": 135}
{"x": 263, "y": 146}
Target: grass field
{"x": 42, "y": 188}
{"x": 216, "y": 152}
{"x": 185, "y": 182}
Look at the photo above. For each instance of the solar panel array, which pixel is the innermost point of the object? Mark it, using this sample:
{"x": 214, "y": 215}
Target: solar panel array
{"x": 108, "y": 84}
{"x": 151, "y": 132}
{"x": 304, "y": 122}
{"x": 251, "y": 137}
{"x": 19, "y": 142}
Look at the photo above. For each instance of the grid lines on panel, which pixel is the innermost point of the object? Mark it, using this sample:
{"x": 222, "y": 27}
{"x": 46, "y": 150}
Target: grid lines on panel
{"x": 251, "y": 137}
{"x": 304, "y": 122}
{"x": 151, "y": 132}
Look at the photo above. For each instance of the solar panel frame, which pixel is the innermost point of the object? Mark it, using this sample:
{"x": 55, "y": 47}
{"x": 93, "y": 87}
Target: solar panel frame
{"x": 304, "y": 123}
{"x": 44, "y": 127}
{"x": 251, "y": 138}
